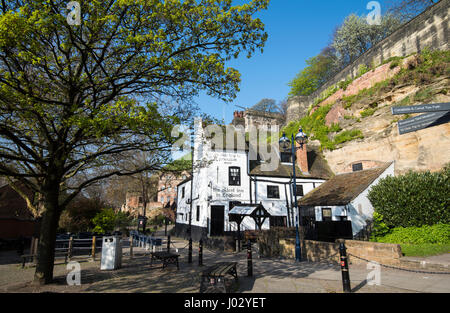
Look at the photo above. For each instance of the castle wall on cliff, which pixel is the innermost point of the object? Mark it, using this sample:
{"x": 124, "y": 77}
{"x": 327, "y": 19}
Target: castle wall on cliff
{"x": 429, "y": 29}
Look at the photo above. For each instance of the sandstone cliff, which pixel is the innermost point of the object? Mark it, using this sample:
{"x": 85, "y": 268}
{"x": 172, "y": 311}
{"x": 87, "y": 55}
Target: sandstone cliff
{"x": 365, "y": 106}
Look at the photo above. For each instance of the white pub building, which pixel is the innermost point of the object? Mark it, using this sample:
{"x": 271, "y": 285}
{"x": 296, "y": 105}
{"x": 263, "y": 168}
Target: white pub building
{"x": 226, "y": 176}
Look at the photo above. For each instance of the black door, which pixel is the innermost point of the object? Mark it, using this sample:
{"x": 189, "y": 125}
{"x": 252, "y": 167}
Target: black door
{"x": 217, "y": 220}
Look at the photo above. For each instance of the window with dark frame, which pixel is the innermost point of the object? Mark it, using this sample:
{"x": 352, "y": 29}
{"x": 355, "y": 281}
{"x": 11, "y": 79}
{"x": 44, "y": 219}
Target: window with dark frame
{"x": 234, "y": 176}
{"x": 182, "y": 192}
{"x": 299, "y": 191}
{"x": 357, "y": 167}
{"x": 326, "y": 214}
{"x": 197, "y": 218}
{"x": 273, "y": 192}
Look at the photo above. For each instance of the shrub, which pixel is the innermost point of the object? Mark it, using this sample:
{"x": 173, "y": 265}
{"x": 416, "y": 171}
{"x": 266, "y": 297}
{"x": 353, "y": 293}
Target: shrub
{"x": 379, "y": 228}
{"x": 414, "y": 199}
{"x": 343, "y": 84}
{"x": 104, "y": 221}
{"x": 348, "y": 135}
{"x": 362, "y": 69}
{"x": 436, "y": 234}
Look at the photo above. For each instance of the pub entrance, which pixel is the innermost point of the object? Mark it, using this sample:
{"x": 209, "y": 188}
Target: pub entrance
{"x": 217, "y": 220}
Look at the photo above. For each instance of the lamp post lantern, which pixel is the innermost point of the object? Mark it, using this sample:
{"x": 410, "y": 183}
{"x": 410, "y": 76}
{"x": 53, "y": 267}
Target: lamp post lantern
{"x": 284, "y": 142}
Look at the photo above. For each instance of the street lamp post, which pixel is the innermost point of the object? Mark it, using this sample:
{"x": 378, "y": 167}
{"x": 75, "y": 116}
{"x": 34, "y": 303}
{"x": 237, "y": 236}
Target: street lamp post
{"x": 300, "y": 138}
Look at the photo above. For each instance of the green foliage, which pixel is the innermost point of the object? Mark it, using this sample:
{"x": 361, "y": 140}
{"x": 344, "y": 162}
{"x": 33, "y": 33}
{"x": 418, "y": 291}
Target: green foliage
{"x": 158, "y": 220}
{"x": 314, "y": 126}
{"x": 414, "y": 199}
{"x": 423, "y": 95}
{"x": 362, "y": 69}
{"x": 405, "y": 101}
{"x": 395, "y": 61}
{"x": 348, "y": 135}
{"x": 380, "y": 228}
{"x": 343, "y": 84}
{"x": 104, "y": 221}
{"x": 368, "y": 112}
{"x": 78, "y": 215}
{"x": 122, "y": 222}
{"x": 435, "y": 234}
{"x": 319, "y": 70}
{"x": 326, "y": 94}
{"x": 107, "y": 221}
{"x": 425, "y": 249}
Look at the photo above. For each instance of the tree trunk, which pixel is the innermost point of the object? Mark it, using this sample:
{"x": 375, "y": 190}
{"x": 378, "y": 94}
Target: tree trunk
{"x": 47, "y": 238}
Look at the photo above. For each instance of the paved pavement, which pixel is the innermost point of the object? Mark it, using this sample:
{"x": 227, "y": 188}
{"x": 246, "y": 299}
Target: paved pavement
{"x": 442, "y": 259}
{"x": 270, "y": 275}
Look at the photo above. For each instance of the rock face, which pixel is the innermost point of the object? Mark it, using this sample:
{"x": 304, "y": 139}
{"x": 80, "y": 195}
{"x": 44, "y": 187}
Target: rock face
{"x": 427, "y": 149}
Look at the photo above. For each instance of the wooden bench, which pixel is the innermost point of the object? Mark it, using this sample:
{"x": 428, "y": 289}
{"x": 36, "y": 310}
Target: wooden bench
{"x": 32, "y": 257}
{"x": 215, "y": 276}
{"x": 27, "y": 256}
{"x": 166, "y": 257}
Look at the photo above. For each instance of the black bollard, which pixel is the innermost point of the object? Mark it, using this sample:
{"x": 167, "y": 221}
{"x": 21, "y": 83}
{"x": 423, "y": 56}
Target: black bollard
{"x": 168, "y": 244}
{"x": 249, "y": 259}
{"x": 200, "y": 253}
{"x": 190, "y": 251}
{"x": 344, "y": 268}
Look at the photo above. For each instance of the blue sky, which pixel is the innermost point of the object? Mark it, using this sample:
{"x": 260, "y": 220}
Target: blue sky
{"x": 298, "y": 30}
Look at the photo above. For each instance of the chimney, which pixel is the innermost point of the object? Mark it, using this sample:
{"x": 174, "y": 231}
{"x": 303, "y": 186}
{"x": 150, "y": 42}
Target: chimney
{"x": 302, "y": 158}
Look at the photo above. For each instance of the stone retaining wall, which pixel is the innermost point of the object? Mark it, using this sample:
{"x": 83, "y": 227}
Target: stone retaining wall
{"x": 317, "y": 251}
{"x": 429, "y": 29}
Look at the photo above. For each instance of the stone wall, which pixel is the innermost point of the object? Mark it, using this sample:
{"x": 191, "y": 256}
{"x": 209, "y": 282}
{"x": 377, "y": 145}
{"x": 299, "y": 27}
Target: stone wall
{"x": 317, "y": 251}
{"x": 429, "y": 29}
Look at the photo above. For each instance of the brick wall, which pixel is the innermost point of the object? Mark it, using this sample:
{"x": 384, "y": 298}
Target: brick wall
{"x": 429, "y": 29}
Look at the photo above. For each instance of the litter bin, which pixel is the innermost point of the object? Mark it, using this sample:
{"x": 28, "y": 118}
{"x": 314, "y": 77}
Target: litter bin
{"x": 111, "y": 253}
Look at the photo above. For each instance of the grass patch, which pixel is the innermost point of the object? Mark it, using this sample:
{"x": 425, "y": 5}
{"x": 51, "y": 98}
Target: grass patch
{"x": 422, "y": 69}
{"x": 368, "y": 112}
{"x": 424, "y": 249}
{"x": 348, "y": 135}
{"x": 423, "y": 95}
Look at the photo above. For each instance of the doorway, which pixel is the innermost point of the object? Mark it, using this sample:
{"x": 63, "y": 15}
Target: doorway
{"x": 217, "y": 220}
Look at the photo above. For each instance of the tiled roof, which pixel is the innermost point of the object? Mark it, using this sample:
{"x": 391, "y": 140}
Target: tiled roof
{"x": 318, "y": 167}
{"x": 343, "y": 188}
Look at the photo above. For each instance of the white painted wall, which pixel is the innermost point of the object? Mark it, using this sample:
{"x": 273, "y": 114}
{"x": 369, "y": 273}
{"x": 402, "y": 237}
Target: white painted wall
{"x": 360, "y": 209}
{"x": 211, "y": 186}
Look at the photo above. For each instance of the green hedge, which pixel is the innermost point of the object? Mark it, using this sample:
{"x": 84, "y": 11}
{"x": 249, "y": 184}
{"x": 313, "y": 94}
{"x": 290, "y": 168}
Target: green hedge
{"x": 436, "y": 234}
{"x": 413, "y": 199}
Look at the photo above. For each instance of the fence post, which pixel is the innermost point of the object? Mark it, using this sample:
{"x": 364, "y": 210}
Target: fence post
{"x": 249, "y": 259}
{"x": 32, "y": 246}
{"x": 93, "y": 248}
{"x": 131, "y": 246}
{"x": 200, "y": 253}
{"x": 190, "y": 251}
{"x": 168, "y": 244}
{"x": 344, "y": 268}
{"x": 69, "y": 251}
